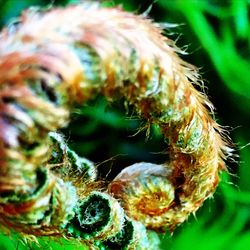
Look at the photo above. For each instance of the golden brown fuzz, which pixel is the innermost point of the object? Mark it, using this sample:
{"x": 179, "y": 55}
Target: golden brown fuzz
{"x": 55, "y": 59}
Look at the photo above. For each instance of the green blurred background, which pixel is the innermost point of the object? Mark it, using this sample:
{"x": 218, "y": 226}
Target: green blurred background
{"x": 216, "y": 34}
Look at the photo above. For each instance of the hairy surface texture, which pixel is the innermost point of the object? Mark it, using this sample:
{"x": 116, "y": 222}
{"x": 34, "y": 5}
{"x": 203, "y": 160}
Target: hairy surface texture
{"x": 53, "y": 60}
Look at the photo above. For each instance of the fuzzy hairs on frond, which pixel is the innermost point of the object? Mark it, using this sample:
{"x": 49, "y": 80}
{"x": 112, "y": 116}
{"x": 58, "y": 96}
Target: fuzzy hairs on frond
{"x": 53, "y": 60}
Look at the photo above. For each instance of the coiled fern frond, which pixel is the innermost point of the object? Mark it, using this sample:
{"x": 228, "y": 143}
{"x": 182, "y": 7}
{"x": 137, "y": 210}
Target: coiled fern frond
{"x": 54, "y": 60}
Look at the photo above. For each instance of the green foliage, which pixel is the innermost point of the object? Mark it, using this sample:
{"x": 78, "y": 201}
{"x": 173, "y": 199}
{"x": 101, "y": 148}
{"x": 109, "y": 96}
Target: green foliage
{"x": 218, "y": 35}
{"x": 18, "y": 243}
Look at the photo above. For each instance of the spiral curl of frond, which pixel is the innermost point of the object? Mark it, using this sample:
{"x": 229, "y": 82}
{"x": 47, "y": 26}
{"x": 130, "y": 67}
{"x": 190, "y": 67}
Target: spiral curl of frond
{"x": 56, "y": 59}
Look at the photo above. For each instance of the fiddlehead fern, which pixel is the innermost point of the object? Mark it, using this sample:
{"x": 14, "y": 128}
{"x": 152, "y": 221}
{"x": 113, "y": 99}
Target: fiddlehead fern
{"x": 57, "y": 59}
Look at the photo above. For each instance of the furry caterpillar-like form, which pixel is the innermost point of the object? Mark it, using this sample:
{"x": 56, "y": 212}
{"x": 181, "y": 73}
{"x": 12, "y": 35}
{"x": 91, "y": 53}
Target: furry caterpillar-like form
{"x": 52, "y": 60}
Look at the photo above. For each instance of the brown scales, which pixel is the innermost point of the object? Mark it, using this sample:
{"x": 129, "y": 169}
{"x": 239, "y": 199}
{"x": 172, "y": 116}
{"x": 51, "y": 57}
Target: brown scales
{"x": 42, "y": 48}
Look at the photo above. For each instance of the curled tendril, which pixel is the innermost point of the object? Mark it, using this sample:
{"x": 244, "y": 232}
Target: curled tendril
{"x": 146, "y": 193}
{"x": 56, "y": 59}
